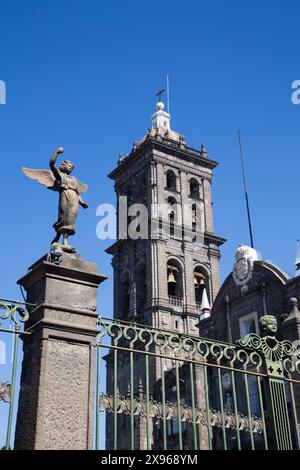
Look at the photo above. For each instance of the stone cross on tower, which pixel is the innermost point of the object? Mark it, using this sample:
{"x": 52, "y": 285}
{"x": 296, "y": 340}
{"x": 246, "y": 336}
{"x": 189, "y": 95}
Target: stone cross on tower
{"x": 161, "y": 91}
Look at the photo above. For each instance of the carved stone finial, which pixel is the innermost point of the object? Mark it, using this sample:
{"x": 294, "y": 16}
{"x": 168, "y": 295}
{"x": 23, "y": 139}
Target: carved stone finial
{"x": 203, "y": 151}
{"x": 268, "y": 325}
{"x": 120, "y": 158}
{"x": 294, "y": 313}
{"x": 294, "y": 301}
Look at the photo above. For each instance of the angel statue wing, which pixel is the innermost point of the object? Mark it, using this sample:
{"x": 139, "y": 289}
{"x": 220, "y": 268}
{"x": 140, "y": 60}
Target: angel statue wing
{"x": 82, "y": 187}
{"x": 45, "y": 177}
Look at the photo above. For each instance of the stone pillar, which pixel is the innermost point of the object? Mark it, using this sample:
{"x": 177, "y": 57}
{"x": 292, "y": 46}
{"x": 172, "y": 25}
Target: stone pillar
{"x": 203, "y": 437}
{"x": 56, "y": 401}
{"x": 209, "y": 226}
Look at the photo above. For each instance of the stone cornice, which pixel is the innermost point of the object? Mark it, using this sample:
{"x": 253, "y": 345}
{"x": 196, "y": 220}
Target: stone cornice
{"x": 49, "y": 269}
{"x": 167, "y": 146}
{"x": 215, "y": 238}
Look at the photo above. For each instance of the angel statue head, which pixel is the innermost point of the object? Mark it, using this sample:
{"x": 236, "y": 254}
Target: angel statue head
{"x": 69, "y": 189}
{"x": 67, "y": 167}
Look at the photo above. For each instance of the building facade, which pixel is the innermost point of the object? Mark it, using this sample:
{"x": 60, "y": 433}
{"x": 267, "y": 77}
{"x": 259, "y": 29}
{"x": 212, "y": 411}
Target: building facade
{"x": 255, "y": 288}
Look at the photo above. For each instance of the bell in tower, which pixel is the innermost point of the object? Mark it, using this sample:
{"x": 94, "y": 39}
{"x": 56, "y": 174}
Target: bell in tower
{"x": 199, "y": 284}
{"x": 171, "y": 284}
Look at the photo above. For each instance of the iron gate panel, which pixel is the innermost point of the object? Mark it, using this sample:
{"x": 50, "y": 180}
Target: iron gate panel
{"x": 167, "y": 390}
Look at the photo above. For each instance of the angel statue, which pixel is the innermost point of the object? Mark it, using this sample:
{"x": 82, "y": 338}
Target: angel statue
{"x": 69, "y": 188}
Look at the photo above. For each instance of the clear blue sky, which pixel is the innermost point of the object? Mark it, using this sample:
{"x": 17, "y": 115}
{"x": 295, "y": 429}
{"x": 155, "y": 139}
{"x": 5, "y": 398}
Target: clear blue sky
{"x": 83, "y": 75}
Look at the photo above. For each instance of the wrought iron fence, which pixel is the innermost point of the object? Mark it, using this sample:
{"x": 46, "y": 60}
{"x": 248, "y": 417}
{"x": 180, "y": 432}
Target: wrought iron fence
{"x": 12, "y": 315}
{"x": 166, "y": 390}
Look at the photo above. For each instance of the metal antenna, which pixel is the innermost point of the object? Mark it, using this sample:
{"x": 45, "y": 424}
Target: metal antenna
{"x": 245, "y": 189}
{"x": 297, "y": 264}
{"x": 168, "y": 94}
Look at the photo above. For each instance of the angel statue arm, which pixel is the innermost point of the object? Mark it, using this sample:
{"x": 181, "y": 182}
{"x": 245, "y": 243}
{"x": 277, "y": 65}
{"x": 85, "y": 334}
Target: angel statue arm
{"x": 54, "y": 169}
{"x": 82, "y": 203}
{"x": 69, "y": 188}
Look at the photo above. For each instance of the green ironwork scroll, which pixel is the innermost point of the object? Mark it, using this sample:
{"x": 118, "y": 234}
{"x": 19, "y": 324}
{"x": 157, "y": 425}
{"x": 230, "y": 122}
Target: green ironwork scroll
{"x": 13, "y": 313}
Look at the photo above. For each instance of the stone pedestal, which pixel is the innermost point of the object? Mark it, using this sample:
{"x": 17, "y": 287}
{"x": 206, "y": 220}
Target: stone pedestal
{"x": 56, "y": 401}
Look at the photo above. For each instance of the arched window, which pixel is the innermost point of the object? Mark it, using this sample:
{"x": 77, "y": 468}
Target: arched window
{"x": 171, "y": 180}
{"x": 200, "y": 283}
{"x": 174, "y": 279}
{"x": 194, "y": 188}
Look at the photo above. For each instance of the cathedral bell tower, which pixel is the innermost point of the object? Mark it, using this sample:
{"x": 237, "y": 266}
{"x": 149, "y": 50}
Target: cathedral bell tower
{"x": 166, "y": 258}
{"x": 165, "y": 261}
